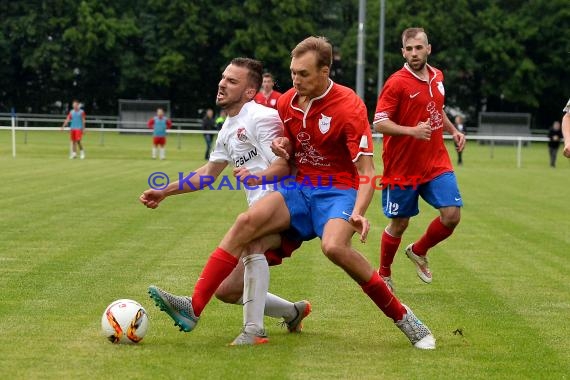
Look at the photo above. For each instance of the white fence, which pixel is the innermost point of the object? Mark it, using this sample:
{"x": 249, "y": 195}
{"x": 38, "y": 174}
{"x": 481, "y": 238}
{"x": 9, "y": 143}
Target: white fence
{"x": 109, "y": 124}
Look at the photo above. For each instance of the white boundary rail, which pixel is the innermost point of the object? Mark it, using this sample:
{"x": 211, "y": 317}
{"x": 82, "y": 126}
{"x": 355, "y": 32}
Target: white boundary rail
{"x": 195, "y": 123}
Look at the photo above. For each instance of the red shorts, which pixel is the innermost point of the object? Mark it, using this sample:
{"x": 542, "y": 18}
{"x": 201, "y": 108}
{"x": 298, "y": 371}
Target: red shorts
{"x": 276, "y": 256}
{"x": 159, "y": 140}
{"x": 75, "y": 134}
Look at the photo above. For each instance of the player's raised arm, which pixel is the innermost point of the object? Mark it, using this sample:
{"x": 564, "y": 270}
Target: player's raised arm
{"x": 194, "y": 181}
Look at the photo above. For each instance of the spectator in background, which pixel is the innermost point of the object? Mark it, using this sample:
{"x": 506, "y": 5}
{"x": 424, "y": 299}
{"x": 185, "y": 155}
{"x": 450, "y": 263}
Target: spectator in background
{"x": 220, "y": 119}
{"x": 159, "y": 124}
{"x": 566, "y": 129}
{"x": 76, "y": 121}
{"x": 208, "y": 124}
{"x": 554, "y": 137}
{"x": 267, "y": 96}
{"x": 461, "y": 128}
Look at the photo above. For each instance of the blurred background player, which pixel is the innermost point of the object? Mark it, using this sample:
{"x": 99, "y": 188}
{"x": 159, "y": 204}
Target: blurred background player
{"x": 220, "y": 119}
{"x": 554, "y": 137}
{"x": 208, "y": 124}
{"x": 159, "y": 124}
{"x": 267, "y": 95}
{"x": 410, "y": 115}
{"x": 566, "y": 129}
{"x": 76, "y": 121}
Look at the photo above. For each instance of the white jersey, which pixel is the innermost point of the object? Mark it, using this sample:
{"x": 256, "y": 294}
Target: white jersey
{"x": 567, "y": 108}
{"x": 245, "y": 140}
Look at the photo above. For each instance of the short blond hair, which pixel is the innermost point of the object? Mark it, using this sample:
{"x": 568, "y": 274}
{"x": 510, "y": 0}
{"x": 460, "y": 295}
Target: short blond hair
{"x": 320, "y": 45}
{"x": 411, "y": 33}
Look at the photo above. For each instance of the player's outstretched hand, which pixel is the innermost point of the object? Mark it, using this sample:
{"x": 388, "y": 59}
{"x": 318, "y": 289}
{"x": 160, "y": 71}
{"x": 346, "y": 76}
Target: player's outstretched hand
{"x": 360, "y": 225}
{"x": 422, "y": 131}
{"x": 151, "y": 198}
{"x": 281, "y": 147}
{"x": 459, "y": 139}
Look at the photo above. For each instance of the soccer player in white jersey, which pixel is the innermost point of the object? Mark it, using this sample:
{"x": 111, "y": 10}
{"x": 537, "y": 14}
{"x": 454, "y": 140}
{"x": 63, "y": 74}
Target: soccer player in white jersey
{"x": 244, "y": 141}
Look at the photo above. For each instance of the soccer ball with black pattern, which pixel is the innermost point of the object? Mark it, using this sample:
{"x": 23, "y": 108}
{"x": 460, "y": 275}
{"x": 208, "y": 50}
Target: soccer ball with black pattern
{"x": 124, "y": 321}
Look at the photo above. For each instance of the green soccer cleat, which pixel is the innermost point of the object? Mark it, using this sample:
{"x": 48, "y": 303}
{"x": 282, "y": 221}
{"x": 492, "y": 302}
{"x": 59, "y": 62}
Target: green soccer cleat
{"x": 179, "y": 308}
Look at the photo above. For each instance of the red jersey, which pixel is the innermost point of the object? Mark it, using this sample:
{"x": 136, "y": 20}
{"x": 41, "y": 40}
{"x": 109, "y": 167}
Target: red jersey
{"x": 270, "y": 101}
{"x": 406, "y": 100}
{"x": 328, "y": 137}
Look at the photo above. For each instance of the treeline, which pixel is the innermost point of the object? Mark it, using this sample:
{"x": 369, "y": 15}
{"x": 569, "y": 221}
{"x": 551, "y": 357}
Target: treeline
{"x": 497, "y": 55}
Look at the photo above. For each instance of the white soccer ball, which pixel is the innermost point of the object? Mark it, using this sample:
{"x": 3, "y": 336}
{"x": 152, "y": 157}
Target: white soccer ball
{"x": 124, "y": 321}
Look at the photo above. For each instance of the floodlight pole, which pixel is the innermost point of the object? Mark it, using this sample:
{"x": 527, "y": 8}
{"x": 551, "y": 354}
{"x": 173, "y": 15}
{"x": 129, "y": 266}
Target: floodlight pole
{"x": 381, "y": 29}
{"x": 360, "y": 50}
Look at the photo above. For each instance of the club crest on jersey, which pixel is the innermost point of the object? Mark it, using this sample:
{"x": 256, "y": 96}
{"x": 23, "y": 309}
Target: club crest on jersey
{"x": 241, "y": 135}
{"x": 325, "y": 123}
{"x": 440, "y": 87}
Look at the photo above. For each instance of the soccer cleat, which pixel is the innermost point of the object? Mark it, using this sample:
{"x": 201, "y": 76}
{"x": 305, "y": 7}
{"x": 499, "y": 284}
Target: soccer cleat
{"x": 421, "y": 263}
{"x": 179, "y": 308}
{"x": 418, "y": 333}
{"x": 303, "y": 309}
{"x": 250, "y": 339}
{"x": 82, "y": 154}
{"x": 389, "y": 283}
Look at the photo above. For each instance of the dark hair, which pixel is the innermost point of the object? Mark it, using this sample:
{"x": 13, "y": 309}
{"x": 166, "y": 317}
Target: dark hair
{"x": 320, "y": 45}
{"x": 268, "y": 75}
{"x": 411, "y": 33}
{"x": 254, "y": 67}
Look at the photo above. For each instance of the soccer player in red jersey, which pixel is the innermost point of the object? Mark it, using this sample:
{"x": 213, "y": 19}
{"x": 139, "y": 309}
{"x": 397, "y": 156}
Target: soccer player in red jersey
{"x": 159, "y": 124}
{"x": 326, "y": 133}
{"x": 76, "y": 121}
{"x": 416, "y": 163}
{"x": 267, "y": 95}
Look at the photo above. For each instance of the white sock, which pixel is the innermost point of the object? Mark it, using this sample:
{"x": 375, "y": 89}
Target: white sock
{"x": 162, "y": 154}
{"x": 278, "y": 307}
{"x": 256, "y": 284}
{"x": 153, "y": 152}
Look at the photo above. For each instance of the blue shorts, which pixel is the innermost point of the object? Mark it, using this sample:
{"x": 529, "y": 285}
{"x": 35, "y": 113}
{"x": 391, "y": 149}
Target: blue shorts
{"x": 312, "y": 208}
{"x": 442, "y": 191}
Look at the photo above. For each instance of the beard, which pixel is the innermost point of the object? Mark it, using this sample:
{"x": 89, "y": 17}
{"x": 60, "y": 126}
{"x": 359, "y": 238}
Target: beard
{"x": 417, "y": 65}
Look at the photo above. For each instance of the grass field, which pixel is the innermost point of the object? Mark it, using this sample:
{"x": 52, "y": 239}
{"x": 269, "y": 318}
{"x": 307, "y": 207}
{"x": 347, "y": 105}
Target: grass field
{"x": 73, "y": 238}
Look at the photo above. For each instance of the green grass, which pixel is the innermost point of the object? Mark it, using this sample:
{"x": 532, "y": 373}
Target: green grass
{"x": 73, "y": 238}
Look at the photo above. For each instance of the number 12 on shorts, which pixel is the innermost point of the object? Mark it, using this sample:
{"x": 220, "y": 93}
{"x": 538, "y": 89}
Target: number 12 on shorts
{"x": 392, "y": 208}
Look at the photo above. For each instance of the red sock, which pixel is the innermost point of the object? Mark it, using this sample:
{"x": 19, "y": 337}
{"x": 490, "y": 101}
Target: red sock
{"x": 219, "y": 266}
{"x": 377, "y": 290}
{"x": 388, "y": 247}
{"x": 435, "y": 233}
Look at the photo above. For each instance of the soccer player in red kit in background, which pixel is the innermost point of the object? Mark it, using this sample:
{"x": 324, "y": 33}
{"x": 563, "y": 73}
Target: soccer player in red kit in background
{"x": 76, "y": 121}
{"x": 159, "y": 124}
{"x": 410, "y": 115}
{"x": 267, "y": 95}
{"x": 326, "y": 134}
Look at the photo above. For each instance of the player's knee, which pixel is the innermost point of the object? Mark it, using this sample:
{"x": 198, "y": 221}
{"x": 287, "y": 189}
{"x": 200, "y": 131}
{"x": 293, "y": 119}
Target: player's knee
{"x": 398, "y": 226}
{"x": 245, "y": 223}
{"x": 333, "y": 250}
{"x": 451, "y": 217}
